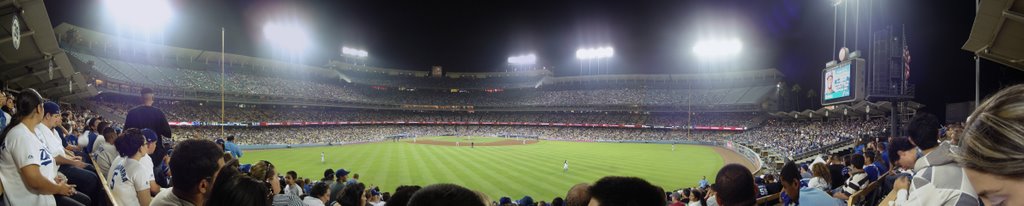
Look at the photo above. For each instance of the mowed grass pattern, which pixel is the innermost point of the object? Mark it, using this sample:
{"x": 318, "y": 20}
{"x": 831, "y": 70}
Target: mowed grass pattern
{"x": 465, "y": 139}
{"x": 513, "y": 171}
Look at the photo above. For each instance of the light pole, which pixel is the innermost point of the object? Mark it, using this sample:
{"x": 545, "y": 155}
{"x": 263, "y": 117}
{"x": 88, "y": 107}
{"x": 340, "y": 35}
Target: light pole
{"x": 589, "y": 54}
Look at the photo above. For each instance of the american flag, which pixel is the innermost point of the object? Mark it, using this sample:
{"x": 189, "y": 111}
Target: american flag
{"x": 906, "y": 63}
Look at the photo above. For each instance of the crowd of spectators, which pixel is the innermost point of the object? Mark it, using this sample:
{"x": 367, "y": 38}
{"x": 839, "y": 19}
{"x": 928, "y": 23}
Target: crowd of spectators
{"x": 207, "y": 84}
{"x": 793, "y": 138}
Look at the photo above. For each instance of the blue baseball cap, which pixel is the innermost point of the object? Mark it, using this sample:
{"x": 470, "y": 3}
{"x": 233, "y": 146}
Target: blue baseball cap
{"x": 245, "y": 168}
{"x": 340, "y": 172}
{"x": 219, "y": 141}
{"x": 150, "y": 135}
{"x": 505, "y": 200}
{"x": 51, "y": 108}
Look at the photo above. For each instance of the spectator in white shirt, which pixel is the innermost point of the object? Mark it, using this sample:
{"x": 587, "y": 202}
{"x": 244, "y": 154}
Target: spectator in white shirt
{"x": 28, "y": 170}
{"x": 129, "y": 179}
{"x": 292, "y": 187}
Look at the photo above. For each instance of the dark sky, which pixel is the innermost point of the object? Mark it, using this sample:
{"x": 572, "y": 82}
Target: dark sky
{"x": 794, "y": 36}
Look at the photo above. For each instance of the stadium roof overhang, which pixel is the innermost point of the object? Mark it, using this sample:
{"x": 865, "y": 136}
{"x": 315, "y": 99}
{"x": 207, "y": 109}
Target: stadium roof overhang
{"x": 38, "y": 61}
{"x": 854, "y": 110}
{"x": 998, "y": 32}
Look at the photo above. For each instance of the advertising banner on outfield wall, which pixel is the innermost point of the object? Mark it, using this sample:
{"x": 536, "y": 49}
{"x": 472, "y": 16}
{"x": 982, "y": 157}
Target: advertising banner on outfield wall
{"x": 264, "y": 124}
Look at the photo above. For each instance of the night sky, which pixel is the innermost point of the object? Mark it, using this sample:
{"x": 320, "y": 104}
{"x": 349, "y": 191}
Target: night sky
{"x": 794, "y": 36}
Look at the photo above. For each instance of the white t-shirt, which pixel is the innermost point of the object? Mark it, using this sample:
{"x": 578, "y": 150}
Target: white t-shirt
{"x": 22, "y": 148}
{"x": 147, "y": 162}
{"x": 103, "y": 155}
{"x": 51, "y": 141}
{"x": 127, "y": 177}
{"x": 312, "y": 201}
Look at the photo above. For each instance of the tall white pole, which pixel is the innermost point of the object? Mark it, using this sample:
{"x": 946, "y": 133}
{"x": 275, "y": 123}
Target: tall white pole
{"x": 222, "y": 81}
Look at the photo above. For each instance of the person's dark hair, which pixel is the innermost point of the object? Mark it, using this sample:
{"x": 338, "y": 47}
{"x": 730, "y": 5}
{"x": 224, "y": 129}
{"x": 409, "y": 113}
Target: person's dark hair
{"x": 193, "y": 160}
{"x": 402, "y": 195}
{"x": 700, "y": 196}
{"x": 146, "y": 91}
{"x": 351, "y": 194}
{"x": 319, "y": 189}
{"x": 613, "y": 190}
{"x": 897, "y": 144}
{"x": 685, "y": 198}
{"x": 328, "y": 175}
{"x": 789, "y": 173}
{"x": 103, "y": 126}
{"x": 445, "y": 194}
{"x": 293, "y": 175}
{"x": 233, "y": 188}
{"x": 869, "y": 154}
{"x": 385, "y": 196}
{"x": 231, "y": 138}
{"x": 578, "y": 195}
{"x": 857, "y": 161}
{"x": 89, "y": 123}
{"x": 735, "y": 186}
{"x": 27, "y": 103}
{"x": 924, "y": 130}
{"x": 129, "y": 142}
{"x": 557, "y": 202}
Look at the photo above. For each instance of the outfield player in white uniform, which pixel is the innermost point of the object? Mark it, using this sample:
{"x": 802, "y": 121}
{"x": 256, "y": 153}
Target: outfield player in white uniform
{"x": 322, "y": 161}
{"x": 565, "y": 166}
{"x": 129, "y": 179}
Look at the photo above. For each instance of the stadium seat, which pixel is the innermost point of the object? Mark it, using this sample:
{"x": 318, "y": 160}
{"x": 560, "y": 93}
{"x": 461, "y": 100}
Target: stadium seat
{"x": 106, "y": 186}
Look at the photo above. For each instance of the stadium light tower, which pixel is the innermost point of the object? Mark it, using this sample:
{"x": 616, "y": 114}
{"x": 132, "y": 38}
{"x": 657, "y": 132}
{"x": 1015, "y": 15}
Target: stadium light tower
{"x": 594, "y": 54}
{"x": 717, "y": 48}
{"x": 522, "y": 60}
{"x": 140, "y": 15}
{"x": 357, "y": 54}
{"x": 291, "y": 37}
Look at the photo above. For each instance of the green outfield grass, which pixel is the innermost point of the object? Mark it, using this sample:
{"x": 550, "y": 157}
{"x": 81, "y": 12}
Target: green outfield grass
{"x": 465, "y": 139}
{"x": 513, "y": 171}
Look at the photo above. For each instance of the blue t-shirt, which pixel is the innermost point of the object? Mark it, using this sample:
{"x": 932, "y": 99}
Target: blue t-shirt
{"x": 233, "y": 149}
{"x": 872, "y": 172}
{"x": 816, "y": 197}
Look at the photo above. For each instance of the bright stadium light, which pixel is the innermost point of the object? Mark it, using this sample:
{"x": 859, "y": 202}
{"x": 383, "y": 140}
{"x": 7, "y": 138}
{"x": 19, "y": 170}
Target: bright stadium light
{"x": 143, "y": 15}
{"x": 595, "y": 53}
{"x": 288, "y": 36}
{"x": 528, "y": 59}
{"x": 711, "y": 49}
{"x": 354, "y": 52}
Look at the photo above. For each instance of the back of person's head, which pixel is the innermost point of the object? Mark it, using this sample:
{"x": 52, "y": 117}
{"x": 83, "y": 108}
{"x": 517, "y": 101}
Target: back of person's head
{"x": 578, "y": 195}
{"x": 351, "y": 195}
{"x": 613, "y": 190}
{"x": 820, "y": 170}
{"x": 194, "y": 161}
{"x": 869, "y": 156}
{"x": 402, "y": 195}
{"x": 233, "y": 188}
{"x": 28, "y": 105}
{"x": 857, "y": 161}
{"x": 924, "y": 130}
{"x": 129, "y": 143}
{"x": 329, "y": 175}
{"x": 788, "y": 174}
{"x": 231, "y": 138}
{"x": 735, "y": 186}
{"x": 319, "y": 190}
{"x": 699, "y": 196}
{"x": 557, "y": 202}
{"x": 263, "y": 171}
{"x": 993, "y": 139}
{"x": 445, "y": 194}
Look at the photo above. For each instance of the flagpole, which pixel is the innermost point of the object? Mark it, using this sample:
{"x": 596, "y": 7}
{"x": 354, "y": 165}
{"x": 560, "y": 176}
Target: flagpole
{"x": 222, "y": 81}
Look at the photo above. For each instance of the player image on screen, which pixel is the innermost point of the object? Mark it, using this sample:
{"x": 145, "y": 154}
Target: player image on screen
{"x": 837, "y": 82}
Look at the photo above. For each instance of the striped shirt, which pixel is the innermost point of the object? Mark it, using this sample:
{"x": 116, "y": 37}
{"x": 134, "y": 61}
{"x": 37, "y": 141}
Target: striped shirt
{"x": 938, "y": 180}
{"x": 857, "y": 181}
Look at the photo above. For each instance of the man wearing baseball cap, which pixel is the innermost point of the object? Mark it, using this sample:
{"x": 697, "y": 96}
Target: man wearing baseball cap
{"x": 147, "y": 116}
{"x": 147, "y": 161}
{"x": 341, "y": 176}
{"x": 70, "y": 166}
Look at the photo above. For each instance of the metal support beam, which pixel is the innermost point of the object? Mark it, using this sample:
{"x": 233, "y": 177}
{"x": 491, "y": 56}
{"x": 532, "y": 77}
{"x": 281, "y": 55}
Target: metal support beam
{"x": 23, "y": 35}
{"x": 1013, "y": 15}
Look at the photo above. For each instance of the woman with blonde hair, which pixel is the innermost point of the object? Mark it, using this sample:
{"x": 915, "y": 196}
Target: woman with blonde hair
{"x": 992, "y": 148}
